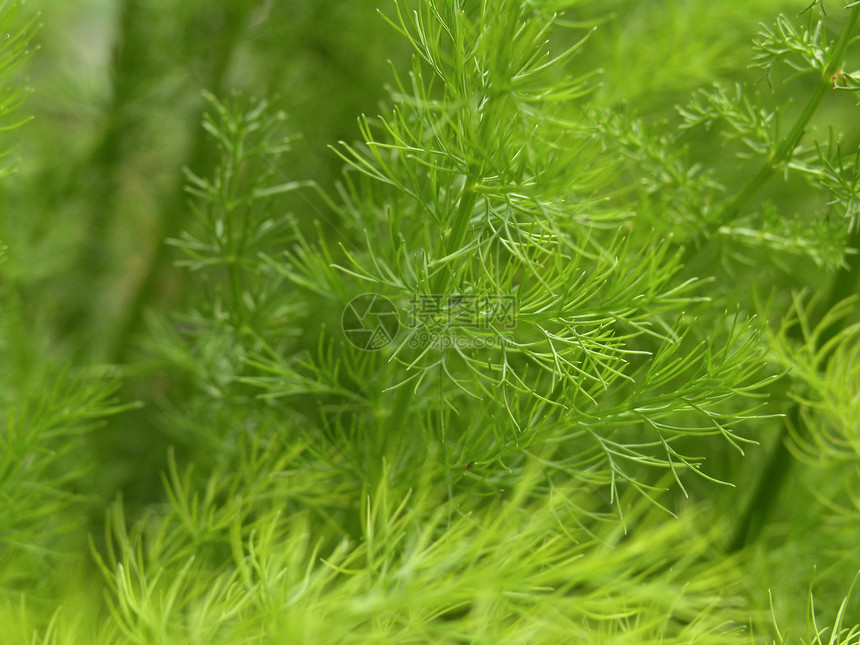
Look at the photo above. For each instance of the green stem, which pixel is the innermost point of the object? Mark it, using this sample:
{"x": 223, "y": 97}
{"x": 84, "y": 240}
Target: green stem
{"x": 771, "y": 479}
{"x": 234, "y": 244}
{"x": 456, "y": 234}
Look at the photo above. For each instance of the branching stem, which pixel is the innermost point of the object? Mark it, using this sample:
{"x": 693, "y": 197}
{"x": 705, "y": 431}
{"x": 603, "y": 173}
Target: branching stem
{"x": 785, "y": 149}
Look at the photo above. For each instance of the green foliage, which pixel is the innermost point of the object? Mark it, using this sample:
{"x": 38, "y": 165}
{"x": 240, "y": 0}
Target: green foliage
{"x": 210, "y": 572}
{"x": 13, "y": 52}
{"x": 506, "y": 375}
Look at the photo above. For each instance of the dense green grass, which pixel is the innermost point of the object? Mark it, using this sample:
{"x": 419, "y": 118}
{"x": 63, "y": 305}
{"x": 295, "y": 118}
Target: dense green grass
{"x": 620, "y": 403}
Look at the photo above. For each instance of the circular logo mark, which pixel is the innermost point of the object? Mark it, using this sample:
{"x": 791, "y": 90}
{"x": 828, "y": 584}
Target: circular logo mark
{"x": 370, "y": 321}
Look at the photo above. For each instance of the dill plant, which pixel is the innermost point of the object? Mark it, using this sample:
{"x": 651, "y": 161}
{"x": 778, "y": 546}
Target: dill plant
{"x": 597, "y": 329}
